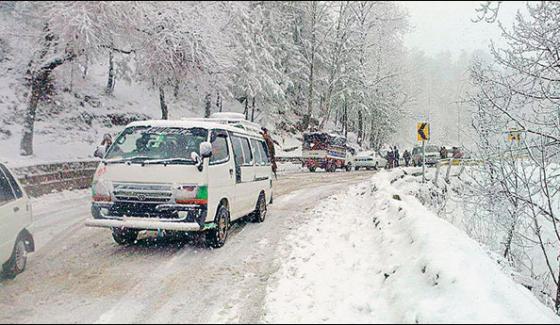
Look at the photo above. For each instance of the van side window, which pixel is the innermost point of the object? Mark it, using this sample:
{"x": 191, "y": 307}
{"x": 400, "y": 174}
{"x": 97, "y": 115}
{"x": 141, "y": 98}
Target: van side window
{"x": 258, "y": 155}
{"x": 264, "y": 152}
{"x": 220, "y": 151}
{"x": 247, "y": 153}
{"x": 237, "y": 150}
{"x": 6, "y": 193}
{"x": 17, "y": 190}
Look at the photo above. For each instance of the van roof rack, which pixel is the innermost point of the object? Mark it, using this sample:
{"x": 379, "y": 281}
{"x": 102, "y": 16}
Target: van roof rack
{"x": 233, "y": 119}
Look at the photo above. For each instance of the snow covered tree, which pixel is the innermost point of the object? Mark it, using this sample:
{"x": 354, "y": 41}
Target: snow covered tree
{"x": 520, "y": 92}
{"x": 255, "y": 76}
{"x": 174, "y": 48}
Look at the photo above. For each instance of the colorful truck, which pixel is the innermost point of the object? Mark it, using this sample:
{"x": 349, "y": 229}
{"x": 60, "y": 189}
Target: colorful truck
{"x": 326, "y": 151}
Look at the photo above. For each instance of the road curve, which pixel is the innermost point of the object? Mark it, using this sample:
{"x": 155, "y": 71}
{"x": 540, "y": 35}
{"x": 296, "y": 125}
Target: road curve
{"x": 78, "y": 275}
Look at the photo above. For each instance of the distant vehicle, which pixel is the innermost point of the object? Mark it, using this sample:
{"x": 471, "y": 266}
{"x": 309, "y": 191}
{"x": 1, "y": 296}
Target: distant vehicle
{"x": 15, "y": 218}
{"x": 326, "y": 151}
{"x": 369, "y": 161}
{"x": 180, "y": 177}
{"x": 432, "y": 155}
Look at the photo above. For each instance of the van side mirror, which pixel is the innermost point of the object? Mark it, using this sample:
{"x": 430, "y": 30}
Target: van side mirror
{"x": 205, "y": 150}
{"x": 100, "y": 152}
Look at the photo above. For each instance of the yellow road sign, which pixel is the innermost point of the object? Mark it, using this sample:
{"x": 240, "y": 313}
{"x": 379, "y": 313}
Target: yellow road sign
{"x": 423, "y": 131}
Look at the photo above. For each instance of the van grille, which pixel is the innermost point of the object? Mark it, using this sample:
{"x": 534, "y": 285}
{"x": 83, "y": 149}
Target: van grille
{"x": 142, "y": 193}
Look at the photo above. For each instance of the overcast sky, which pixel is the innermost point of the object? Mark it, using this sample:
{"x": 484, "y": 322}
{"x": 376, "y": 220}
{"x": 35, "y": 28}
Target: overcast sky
{"x": 446, "y": 25}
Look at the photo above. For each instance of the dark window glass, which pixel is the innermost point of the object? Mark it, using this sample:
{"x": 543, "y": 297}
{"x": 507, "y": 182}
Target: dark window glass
{"x": 258, "y": 152}
{"x": 237, "y": 150}
{"x": 247, "y": 153}
{"x": 264, "y": 152}
{"x": 6, "y": 193}
{"x": 220, "y": 152}
{"x": 13, "y": 182}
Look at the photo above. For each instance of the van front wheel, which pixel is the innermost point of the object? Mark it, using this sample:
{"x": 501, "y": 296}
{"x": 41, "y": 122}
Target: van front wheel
{"x": 17, "y": 261}
{"x": 216, "y": 237}
{"x": 260, "y": 212}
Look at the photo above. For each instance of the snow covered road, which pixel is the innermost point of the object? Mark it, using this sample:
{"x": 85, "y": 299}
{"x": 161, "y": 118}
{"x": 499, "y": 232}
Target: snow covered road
{"x": 336, "y": 248}
{"x": 79, "y": 275}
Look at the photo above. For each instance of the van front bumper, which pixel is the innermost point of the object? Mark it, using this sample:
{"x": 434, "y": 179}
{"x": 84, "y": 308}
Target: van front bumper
{"x": 144, "y": 224}
{"x": 173, "y": 217}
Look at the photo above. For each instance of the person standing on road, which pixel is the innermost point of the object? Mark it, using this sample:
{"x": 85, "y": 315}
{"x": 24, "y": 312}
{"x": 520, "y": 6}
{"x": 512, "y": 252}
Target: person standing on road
{"x": 397, "y": 156}
{"x": 457, "y": 154}
{"x": 406, "y": 157}
{"x": 107, "y": 141}
{"x": 390, "y": 159}
{"x": 443, "y": 153}
{"x": 271, "y": 151}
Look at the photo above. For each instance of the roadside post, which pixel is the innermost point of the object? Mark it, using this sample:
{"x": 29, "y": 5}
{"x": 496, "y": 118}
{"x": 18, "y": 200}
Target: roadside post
{"x": 423, "y": 134}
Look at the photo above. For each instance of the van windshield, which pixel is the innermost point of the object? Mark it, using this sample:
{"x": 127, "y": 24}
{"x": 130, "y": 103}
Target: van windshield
{"x": 169, "y": 144}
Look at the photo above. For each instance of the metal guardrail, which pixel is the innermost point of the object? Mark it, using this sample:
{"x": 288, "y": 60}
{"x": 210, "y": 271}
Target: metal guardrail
{"x": 42, "y": 179}
{"x": 449, "y": 163}
{"x": 297, "y": 160}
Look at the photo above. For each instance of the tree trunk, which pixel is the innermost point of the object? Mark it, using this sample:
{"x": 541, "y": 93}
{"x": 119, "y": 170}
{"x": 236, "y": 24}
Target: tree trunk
{"x": 163, "y": 105}
{"x": 509, "y": 240}
{"x": 176, "y": 89}
{"x": 336, "y": 117}
{"x": 253, "y": 110}
{"x": 71, "y": 88}
{"x": 39, "y": 84}
{"x": 360, "y": 127}
{"x": 557, "y": 301}
{"x": 246, "y": 112}
{"x": 307, "y": 117}
{"x": 86, "y": 67}
{"x": 26, "y": 148}
{"x": 208, "y": 106}
{"x": 111, "y": 77}
{"x": 218, "y": 102}
{"x": 345, "y": 118}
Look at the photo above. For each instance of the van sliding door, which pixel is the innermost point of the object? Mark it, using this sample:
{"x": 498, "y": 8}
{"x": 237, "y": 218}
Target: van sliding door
{"x": 246, "y": 189}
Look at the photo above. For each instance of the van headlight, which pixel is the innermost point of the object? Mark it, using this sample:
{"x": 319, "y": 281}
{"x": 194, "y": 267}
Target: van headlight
{"x": 191, "y": 194}
{"x": 101, "y": 191}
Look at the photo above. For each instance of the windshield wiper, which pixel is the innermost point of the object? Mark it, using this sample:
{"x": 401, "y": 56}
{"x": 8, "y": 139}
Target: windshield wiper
{"x": 170, "y": 161}
{"x": 135, "y": 159}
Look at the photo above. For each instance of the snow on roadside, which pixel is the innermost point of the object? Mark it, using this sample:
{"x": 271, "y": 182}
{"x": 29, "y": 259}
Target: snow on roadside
{"x": 329, "y": 275}
{"x": 375, "y": 254}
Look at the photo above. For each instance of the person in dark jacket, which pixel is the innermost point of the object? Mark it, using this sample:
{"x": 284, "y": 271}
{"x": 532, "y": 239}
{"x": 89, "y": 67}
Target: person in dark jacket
{"x": 390, "y": 159}
{"x": 407, "y": 157}
{"x": 397, "y": 156}
{"x": 270, "y": 144}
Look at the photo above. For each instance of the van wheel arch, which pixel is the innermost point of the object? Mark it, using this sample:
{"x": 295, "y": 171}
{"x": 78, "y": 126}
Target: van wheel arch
{"x": 29, "y": 241}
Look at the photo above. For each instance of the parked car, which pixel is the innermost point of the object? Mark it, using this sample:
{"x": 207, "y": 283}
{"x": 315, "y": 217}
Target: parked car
{"x": 179, "y": 177}
{"x": 369, "y": 161}
{"x": 15, "y": 218}
{"x": 432, "y": 155}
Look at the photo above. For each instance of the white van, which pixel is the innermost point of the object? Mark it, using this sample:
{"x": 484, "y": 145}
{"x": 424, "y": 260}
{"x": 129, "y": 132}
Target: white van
{"x": 193, "y": 175}
{"x": 15, "y": 218}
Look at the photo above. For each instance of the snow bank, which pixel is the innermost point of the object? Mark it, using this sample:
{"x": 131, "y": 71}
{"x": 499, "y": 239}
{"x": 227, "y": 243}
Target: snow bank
{"x": 376, "y": 254}
{"x": 437, "y": 273}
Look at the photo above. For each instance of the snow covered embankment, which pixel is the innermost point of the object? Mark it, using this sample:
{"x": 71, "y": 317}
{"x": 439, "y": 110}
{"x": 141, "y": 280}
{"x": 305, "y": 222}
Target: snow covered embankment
{"x": 374, "y": 254}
